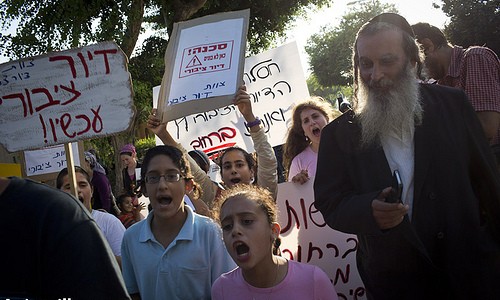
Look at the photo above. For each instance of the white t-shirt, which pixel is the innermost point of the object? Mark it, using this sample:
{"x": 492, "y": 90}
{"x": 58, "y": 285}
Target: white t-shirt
{"x": 112, "y": 228}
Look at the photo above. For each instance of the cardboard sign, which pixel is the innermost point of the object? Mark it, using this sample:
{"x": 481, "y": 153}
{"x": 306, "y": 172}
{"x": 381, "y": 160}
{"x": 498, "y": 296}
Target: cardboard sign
{"x": 203, "y": 64}
{"x": 49, "y": 160}
{"x": 306, "y": 238}
{"x": 65, "y": 96}
{"x": 274, "y": 80}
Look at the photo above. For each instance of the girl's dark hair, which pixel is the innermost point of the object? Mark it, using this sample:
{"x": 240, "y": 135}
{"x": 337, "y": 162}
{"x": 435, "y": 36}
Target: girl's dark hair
{"x": 178, "y": 158}
{"x": 260, "y": 195}
{"x": 64, "y": 172}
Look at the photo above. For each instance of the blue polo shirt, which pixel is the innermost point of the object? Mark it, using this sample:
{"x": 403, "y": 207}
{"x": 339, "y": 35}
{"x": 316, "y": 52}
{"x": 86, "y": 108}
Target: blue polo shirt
{"x": 186, "y": 269}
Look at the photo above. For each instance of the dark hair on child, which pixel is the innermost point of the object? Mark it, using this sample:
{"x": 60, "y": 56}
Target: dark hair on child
{"x": 64, "y": 172}
{"x": 178, "y": 158}
{"x": 260, "y": 195}
{"x": 121, "y": 198}
{"x": 248, "y": 157}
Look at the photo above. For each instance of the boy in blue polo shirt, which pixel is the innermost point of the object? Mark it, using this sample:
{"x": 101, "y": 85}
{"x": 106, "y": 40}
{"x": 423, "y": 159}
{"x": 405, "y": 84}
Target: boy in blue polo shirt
{"x": 174, "y": 253}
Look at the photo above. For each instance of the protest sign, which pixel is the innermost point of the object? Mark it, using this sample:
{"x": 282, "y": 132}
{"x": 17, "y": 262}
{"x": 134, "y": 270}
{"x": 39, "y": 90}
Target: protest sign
{"x": 306, "y": 238}
{"x": 65, "y": 96}
{"x": 204, "y": 60}
{"x": 50, "y": 160}
{"x": 274, "y": 80}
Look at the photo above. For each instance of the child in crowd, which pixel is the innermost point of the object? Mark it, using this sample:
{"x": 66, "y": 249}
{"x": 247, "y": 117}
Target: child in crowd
{"x": 248, "y": 216}
{"x": 173, "y": 253}
{"x": 130, "y": 214}
{"x": 110, "y": 226}
{"x": 128, "y": 156}
{"x": 302, "y": 141}
{"x": 237, "y": 165}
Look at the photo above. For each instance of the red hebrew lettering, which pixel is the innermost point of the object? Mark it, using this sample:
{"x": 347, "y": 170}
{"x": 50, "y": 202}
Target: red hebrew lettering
{"x": 65, "y": 122}
{"x": 105, "y": 56}
{"x": 344, "y": 276}
{"x": 51, "y": 101}
{"x": 84, "y": 117}
{"x": 20, "y": 96}
{"x": 84, "y": 63}
{"x": 311, "y": 250}
{"x": 334, "y": 247}
{"x": 290, "y": 210}
{"x": 217, "y": 135}
{"x": 72, "y": 90}
{"x": 353, "y": 248}
{"x": 97, "y": 125}
{"x": 313, "y": 211}
{"x": 227, "y": 132}
{"x": 67, "y": 58}
{"x": 222, "y": 46}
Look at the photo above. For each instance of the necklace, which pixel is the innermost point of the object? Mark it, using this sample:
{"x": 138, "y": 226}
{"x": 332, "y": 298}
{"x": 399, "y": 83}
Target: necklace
{"x": 273, "y": 284}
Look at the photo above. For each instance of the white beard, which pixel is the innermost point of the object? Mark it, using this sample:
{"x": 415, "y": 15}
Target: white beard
{"x": 397, "y": 109}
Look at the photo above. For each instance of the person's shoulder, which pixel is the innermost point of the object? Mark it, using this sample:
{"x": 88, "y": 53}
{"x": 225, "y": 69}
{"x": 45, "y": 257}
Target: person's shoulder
{"x": 135, "y": 229}
{"x": 445, "y": 97}
{"x": 24, "y": 190}
{"x": 231, "y": 276}
{"x": 204, "y": 222}
{"x": 437, "y": 92}
{"x": 480, "y": 51}
{"x": 344, "y": 119}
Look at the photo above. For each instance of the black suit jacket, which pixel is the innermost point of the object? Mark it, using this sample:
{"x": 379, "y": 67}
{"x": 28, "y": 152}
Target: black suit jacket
{"x": 451, "y": 247}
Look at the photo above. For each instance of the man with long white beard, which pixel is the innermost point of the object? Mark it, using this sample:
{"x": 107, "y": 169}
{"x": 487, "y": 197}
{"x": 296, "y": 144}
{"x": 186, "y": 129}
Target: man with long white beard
{"x": 440, "y": 239}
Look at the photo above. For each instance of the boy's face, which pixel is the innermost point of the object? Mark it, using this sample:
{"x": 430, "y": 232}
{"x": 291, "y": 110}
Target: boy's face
{"x": 127, "y": 205}
{"x": 167, "y": 198}
{"x": 83, "y": 187}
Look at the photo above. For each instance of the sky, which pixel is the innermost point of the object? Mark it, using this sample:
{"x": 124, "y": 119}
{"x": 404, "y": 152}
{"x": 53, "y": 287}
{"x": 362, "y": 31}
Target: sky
{"x": 413, "y": 11}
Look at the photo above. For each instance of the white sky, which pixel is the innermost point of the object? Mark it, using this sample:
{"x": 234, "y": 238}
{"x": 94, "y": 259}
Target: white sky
{"x": 414, "y": 11}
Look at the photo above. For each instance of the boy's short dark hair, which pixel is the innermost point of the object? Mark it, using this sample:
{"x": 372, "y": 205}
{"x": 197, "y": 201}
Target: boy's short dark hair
{"x": 426, "y": 30}
{"x": 64, "y": 172}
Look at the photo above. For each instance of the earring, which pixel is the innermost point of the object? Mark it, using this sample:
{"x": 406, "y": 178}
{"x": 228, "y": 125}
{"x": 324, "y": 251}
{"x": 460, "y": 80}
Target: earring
{"x": 307, "y": 139}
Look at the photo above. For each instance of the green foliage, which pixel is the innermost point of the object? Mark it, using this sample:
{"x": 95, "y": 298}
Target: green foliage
{"x": 330, "y": 93}
{"x": 143, "y": 145}
{"x": 473, "y": 22}
{"x": 59, "y": 24}
{"x": 330, "y": 51}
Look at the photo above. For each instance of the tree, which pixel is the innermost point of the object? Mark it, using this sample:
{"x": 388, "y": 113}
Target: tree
{"x": 473, "y": 22}
{"x": 330, "y": 51}
{"x": 52, "y": 25}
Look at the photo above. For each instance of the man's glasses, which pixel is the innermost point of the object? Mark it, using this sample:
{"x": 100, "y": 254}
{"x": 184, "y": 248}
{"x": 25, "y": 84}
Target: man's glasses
{"x": 155, "y": 178}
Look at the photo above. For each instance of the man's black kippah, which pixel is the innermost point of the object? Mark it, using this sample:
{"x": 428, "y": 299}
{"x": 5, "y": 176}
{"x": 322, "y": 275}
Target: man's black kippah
{"x": 395, "y": 20}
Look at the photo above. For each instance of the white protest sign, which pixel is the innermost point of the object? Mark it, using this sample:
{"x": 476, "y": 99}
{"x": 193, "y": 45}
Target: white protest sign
{"x": 274, "y": 80}
{"x": 65, "y": 96}
{"x": 306, "y": 238}
{"x": 204, "y": 60}
{"x": 48, "y": 160}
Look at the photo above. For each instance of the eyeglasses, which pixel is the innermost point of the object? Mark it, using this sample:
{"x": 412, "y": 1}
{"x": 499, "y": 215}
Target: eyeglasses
{"x": 155, "y": 178}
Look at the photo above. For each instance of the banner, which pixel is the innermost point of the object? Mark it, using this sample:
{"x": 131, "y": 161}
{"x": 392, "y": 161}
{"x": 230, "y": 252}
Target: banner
{"x": 65, "y": 96}
{"x": 306, "y": 238}
{"x": 274, "y": 80}
{"x": 203, "y": 64}
{"x": 49, "y": 160}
